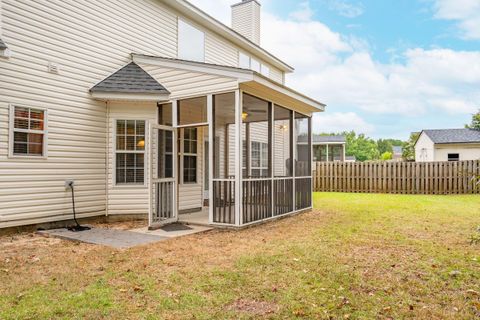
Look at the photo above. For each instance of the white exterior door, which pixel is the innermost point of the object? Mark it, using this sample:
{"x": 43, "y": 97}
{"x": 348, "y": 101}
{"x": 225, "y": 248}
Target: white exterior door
{"x": 163, "y": 175}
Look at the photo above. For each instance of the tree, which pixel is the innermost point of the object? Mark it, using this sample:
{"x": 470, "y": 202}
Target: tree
{"x": 475, "y": 124}
{"x": 360, "y": 146}
{"x": 409, "y": 147}
{"x": 386, "y": 145}
{"x": 386, "y": 156}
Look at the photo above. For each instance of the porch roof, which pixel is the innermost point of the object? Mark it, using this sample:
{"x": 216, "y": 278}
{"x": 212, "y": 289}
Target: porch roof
{"x": 249, "y": 81}
{"x": 130, "y": 82}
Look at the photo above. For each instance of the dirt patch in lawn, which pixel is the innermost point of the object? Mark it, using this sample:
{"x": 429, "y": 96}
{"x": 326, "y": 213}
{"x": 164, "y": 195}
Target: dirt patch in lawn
{"x": 253, "y": 307}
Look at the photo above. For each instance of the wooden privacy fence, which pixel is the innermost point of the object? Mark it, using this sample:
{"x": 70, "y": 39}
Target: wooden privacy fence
{"x": 397, "y": 177}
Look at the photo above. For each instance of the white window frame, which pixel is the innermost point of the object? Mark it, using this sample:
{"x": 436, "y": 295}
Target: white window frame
{"x": 12, "y": 130}
{"x": 183, "y": 154}
{"x": 262, "y": 159}
{"x": 114, "y": 154}
{"x": 263, "y": 69}
{"x": 180, "y": 21}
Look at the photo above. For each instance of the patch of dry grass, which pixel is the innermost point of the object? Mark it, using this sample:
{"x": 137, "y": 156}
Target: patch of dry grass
{"x": 355, "y": 257}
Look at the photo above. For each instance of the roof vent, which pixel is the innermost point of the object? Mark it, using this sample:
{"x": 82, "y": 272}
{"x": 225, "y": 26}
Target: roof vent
{"x": 246, "y": 19}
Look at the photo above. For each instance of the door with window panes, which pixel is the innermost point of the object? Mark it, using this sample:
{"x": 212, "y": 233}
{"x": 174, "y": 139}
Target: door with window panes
{"x": 163, "y": 204}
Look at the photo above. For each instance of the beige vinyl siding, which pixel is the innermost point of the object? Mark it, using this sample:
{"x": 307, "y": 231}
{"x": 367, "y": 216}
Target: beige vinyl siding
{"x": 88, "y": 42}
{"x": 218, "y": 51}
{"x": 128, "y": 199}
{"x": 276, "y": 75}
{"x": 184, "y": 84}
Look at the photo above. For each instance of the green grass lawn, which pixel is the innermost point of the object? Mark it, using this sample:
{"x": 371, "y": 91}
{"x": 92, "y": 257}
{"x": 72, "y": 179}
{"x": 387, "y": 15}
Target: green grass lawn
{"x": 356, "y": 256}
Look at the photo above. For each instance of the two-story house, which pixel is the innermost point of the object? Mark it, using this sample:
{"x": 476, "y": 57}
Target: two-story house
{"x": 149, "y": 107}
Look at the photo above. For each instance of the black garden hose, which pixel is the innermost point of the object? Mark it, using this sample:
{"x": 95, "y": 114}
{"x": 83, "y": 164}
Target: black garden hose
{"x": 77, "y": 227}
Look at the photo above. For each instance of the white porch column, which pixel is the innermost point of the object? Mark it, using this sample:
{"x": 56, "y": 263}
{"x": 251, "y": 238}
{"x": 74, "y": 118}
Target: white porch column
{"x": 238, "y": 157}
{"x": 211, "y": 146}
{"x": 175, "y": 157}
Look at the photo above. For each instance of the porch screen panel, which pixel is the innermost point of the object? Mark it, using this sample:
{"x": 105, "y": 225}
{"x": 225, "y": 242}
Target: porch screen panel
{"x": 303, "y": 162}
{"x": 223, "y": 158}
{"x": 282, "y": 161}
{"x": 256, "y": 159}
{"x": 192, "y": 111}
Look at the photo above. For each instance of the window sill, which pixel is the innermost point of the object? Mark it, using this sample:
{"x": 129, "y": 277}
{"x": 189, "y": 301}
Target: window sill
{"x": 130, "y": 186}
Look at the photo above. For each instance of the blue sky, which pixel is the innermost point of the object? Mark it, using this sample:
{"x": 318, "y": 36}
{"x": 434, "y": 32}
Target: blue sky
{"x": 384, "y": 68}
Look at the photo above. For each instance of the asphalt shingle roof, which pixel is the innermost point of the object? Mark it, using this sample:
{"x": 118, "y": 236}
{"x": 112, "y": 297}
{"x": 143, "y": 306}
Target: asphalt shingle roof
{"x": 130, "y": 79}
{"x": 454, "y": 135}
{"x": 2, "y": 45}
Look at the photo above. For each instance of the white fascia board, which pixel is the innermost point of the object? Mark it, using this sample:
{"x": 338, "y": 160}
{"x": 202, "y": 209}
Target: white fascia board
{"x": 202, "y": 18}
{"x": 231, "y": 72}
{"x": 133, "y": 97}
{"x": 316, "y": 105}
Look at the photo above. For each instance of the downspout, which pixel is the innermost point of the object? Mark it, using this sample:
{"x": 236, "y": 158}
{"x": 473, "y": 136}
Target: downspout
{"x": 106, "y": 156}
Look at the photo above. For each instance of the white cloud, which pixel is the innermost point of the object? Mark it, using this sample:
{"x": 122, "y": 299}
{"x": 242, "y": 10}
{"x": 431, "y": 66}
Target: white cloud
{"x": 340, "y": 71}
{"x": 304, "y": 12}
{"x": 465, "y": 12}
{"x": 345, "y": 8}
{"x": 339, "y": 122}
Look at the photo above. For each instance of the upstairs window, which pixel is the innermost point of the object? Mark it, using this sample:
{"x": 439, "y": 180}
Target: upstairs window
{"x": 191, "y": 42}
{"x": 247, "y": 62}
{"x": 28, "y": 131}
{"x": 130, "y": 152}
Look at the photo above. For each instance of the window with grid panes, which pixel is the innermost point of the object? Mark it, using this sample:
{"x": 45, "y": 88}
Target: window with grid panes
{"x": 190, "y": 155}
{"x": 259, "y": 159}
{"x": 130, "y": 152}
{"x": 28, "y": 131}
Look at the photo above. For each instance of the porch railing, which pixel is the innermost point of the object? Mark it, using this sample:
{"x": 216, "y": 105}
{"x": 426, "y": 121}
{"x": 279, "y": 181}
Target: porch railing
{"x": 282, "y": 196}
{"x": 163, "y": 205}
{"x": 224, "y": 201}
{"x": 303, "y": 193}
{"x": 256, "y": 199}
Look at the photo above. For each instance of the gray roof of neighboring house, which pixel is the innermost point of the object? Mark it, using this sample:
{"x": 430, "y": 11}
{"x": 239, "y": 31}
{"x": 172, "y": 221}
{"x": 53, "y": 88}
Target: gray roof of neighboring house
{"x": 453, "y": 135}
{"x": 130, "y": 79}
{"x": 328, "y": 139}
{"x": 2, "y": 45}
{"x": 397, "y": 149}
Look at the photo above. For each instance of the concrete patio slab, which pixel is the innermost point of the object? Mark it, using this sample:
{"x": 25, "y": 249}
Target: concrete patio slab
{"x": 172, "y": 234}
{"x": 120, "y": 239}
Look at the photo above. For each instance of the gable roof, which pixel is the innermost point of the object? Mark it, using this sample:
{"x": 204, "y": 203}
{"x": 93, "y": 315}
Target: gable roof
{"x": 443, "y": 136}
{"x": 249, "y": 81}
{"x": 3, "y": 46}
{"x": 201, "y": 17}
{"x": 130, "y": 79}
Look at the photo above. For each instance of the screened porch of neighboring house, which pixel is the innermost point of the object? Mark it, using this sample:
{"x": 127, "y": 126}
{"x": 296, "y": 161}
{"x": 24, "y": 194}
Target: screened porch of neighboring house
{"x": 241, "y": 160}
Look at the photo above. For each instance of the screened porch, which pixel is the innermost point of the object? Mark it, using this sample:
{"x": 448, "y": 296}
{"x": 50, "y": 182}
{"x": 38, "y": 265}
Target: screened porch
{"x": 257, "y": 166}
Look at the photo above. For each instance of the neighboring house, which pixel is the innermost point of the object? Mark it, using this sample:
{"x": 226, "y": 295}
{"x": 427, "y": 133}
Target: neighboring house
{"x": 448, "y": 145}
{"x": 150, "y": 107}
{"x": 397, "y": 154}
{"x": 329, "y": 148}
{"x": 350, "y": 159}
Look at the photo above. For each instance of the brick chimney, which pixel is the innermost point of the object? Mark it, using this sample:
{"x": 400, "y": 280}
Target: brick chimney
{"x": 246, "y": 19}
